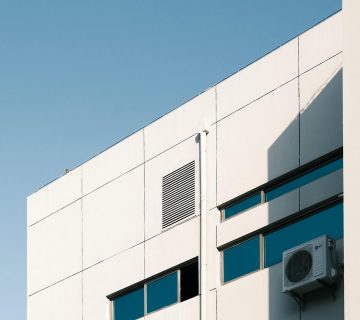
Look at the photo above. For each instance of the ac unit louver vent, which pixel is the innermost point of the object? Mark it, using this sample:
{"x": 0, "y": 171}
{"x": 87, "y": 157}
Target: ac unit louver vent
{"x": 178, "y": 195}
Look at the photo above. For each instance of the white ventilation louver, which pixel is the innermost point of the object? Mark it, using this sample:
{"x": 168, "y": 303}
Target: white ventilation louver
{"x": 178, "y": 195}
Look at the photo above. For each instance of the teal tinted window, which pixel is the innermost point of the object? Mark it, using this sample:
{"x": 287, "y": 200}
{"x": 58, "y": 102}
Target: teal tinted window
{"x": 304, "y": 179}
{"x": 241, "y": 259}
{"x": 329, "y": 221}
{"x": 162, "y": 292}
{"x": 129, "y": 306}
{"x": 243, "y": 205}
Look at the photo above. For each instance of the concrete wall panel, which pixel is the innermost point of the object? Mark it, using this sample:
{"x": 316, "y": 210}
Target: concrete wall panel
{"x": 320, "y": 42}
{"x": 321, "y": 189}
{"x": 245, "y": 299}
{"x": 257, "y": 296}
{"x": 108, "y": 277}
{"x": 113, "y": 162}
{"x": 213, "y": 254}
{"x": 58, "y": 302}
{"x": 54, "y": 196}
{"x": 172, "y": 247}
{"x": 283, "y": 206}
{"x": 211, "y": 167}
{"x": 180, "y": 124}
{"x": 185, "y": 310}
{"x": 257, "y": 79}
{"x": 321, "y": 110}
{"x": 251, "y": 149}
{"x": 281, "y": 306}
{"x": 54, "y": 248}
{"x": 212, "y": 305}
{"x": 114, "y": 217}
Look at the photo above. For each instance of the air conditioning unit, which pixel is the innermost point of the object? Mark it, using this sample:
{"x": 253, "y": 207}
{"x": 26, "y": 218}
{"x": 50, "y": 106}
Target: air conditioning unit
{"x": 309, "y": 266}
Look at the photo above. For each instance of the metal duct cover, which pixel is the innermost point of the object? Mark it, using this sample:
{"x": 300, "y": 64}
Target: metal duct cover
{"x": 178, "y": 195}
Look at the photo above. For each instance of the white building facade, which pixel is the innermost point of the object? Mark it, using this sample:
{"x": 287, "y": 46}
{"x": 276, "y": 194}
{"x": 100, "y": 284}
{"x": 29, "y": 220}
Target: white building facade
{"x": 121, "y": 236}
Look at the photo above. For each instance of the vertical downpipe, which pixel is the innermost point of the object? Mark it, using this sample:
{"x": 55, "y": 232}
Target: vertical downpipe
{"x": 203, "y": 227}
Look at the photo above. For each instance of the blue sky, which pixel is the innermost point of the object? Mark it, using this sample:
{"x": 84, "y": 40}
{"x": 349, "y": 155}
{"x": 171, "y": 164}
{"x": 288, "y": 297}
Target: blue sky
{"x": 77, "y": 76}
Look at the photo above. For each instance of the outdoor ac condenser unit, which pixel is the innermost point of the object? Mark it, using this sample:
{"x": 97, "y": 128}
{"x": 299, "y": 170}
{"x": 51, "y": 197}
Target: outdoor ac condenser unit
{"x": 309, "y": 266}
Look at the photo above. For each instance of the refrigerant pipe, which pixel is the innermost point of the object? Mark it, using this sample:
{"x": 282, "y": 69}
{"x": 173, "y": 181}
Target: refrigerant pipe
{"x": 203, "y": 227}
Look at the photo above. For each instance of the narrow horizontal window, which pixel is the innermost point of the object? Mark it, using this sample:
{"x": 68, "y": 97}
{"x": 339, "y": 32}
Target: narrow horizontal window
{"x": 129, "y": 306}
{"x": 241, "y": 259}
{"x": 162, "y": 292}
{"x": 176, "y": 286}
{"x": 328, "y": 221}
{"x": 189, "y": 281}
{"x": 243, "y": 205}
{"x": 304, "y": 179}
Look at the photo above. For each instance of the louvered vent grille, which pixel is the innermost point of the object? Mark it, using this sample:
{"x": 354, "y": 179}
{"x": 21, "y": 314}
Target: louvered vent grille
{"x": 178, "y": 195}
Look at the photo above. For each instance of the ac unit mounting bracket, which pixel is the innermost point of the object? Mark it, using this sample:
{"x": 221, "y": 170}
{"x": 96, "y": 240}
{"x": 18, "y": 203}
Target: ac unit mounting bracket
{"x": 330, "y": 286}
{"x": 300, "y": 299}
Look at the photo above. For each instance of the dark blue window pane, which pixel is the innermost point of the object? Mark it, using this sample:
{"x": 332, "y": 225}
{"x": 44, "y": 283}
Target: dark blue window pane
{"x": 162, "y": 292}
{"x": 241, "y": 259}
{"x": 305, "y": 179}
{"x": 129, "y": 306}
{"x": 243, "y": 205}
{"x": 329, "y": 221}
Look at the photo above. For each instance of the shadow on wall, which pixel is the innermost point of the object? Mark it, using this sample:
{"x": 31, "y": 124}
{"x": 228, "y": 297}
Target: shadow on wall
{"x": 316, "y": 131}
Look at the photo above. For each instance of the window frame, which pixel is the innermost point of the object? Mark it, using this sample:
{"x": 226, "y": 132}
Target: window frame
{"x": 300, "y": 174}
{"x": 244, "y": 197}
{"x": 143, "y": 283}
{"x": 281, "y": 180}
{"x": 131, "y": 289}
{"x": 262, "y": 232}
{"x": 222, "y": 269}
{"x": 158, "y": 278}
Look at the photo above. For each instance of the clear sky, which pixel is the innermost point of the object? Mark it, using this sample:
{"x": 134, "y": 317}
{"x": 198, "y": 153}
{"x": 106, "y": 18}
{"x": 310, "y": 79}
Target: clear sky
{"x": 77, "y": 76}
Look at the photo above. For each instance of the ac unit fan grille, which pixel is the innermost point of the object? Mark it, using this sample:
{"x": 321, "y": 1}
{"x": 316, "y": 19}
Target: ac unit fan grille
{"x": 298, "y": 266}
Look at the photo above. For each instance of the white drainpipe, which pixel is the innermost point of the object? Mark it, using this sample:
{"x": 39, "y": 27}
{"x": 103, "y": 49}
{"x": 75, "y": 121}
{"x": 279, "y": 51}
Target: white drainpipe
{"x": 203, "y": 227}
